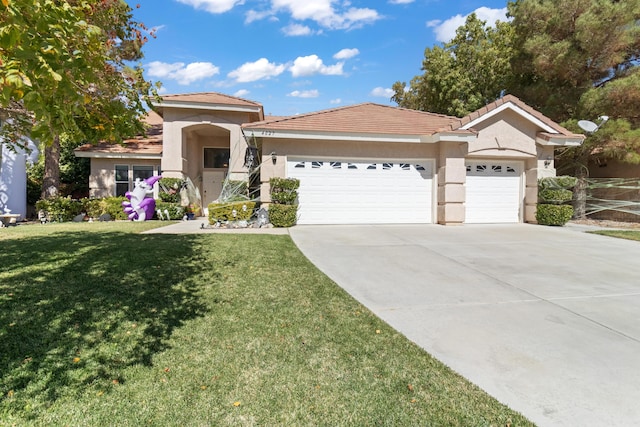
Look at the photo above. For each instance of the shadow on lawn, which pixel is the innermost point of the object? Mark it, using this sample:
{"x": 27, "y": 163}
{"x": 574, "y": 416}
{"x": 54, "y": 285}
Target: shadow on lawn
{"x": 77, "y": 308}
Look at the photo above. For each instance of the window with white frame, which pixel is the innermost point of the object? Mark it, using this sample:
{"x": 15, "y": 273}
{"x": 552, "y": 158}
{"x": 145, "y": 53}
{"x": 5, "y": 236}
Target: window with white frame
{"x": 126, "y": 176}
{"x": 122, "y": 179}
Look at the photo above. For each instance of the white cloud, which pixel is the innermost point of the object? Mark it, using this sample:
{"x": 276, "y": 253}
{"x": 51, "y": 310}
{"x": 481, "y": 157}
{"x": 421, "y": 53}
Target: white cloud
{"x": 258, "y": 70}
{"x": 401, "y": 1}
{"x": 382, "y": 92}
{"x": 446, "y": 30}
{"x": 305, "y": 93}
{"x": 310, "y": 65}
{"x": 183, "y": 74}
{"x": 336, "y": 101}
{"x": 253, "y": 15}
{"x": 297, "y": 30}
{"x": 346, "y": 53}
{"x": 241, "y": 93}
{"x": 213, "y": 6}
{"x": 324, "y": 14}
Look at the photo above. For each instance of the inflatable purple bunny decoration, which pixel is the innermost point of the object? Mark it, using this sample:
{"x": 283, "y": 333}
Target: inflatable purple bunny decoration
{"x": 141, "y": 204}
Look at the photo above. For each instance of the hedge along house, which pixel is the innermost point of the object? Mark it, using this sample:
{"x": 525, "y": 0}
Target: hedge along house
{"x": 366, "y": 163}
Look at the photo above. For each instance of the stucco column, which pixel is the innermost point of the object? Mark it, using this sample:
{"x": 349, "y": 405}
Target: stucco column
{"x": 540, "y": 167}
{"x": 451, "y": 179}
{"x": 174, "y": 163}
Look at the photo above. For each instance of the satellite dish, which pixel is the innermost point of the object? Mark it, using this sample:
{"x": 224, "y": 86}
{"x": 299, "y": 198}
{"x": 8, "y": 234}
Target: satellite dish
{"x": 588, "y": 126}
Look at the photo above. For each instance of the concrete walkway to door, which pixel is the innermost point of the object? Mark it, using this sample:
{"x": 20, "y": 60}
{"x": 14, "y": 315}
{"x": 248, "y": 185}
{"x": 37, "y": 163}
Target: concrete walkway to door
{"x": 545, "y": 319}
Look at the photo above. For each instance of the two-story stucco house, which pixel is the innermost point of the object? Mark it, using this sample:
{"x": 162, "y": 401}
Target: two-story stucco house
{"x": 364, "y": 163}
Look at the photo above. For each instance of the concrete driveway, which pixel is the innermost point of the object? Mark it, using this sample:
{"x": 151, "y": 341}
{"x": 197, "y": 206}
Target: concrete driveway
{"x": 545, "y": 319}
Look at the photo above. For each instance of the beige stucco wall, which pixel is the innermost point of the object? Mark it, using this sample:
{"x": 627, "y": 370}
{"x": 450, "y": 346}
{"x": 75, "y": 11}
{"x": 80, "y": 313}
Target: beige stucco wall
{"x": 187, "y": 132}
{"x": 452, "y": 174}
{"x": 102, "y": 181}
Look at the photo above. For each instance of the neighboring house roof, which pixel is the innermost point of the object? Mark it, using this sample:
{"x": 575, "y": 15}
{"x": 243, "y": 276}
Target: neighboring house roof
{"x": 148, "y": 146}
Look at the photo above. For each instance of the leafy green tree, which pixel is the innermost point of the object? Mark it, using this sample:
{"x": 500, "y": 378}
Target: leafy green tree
{"x": 464, "y": 74}
{"x": 65, "y": 70}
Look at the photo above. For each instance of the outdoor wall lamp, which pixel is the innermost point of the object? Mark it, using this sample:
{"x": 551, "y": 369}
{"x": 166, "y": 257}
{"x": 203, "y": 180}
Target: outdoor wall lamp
{"x": 547, "y": 161}
{"x": 274, "y": 157}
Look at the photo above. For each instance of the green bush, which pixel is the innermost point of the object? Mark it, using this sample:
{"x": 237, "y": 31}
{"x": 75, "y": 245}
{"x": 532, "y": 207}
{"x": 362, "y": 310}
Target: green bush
{"x": 175, "y": 211}
{"x": 284, "y": 191}
{"x": 557, "y": 182}
{"x": 553, "y": 214}
{"x": 225, "y": 211}
{"x": 170, "y": 189}
{"x": 60, "y": 209}
{"x": 108, "y": 205}
{"x": 283, "y": 215}
{"x": 555, "y": 197}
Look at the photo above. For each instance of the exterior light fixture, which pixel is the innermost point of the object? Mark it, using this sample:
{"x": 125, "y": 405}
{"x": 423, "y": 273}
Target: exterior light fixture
{"x": 274, "y": 157}
{"x": 547, "y": 162}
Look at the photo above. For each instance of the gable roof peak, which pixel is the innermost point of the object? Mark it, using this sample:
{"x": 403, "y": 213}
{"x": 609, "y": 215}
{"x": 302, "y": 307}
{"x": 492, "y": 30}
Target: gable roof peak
{"x": 209, "y": 98}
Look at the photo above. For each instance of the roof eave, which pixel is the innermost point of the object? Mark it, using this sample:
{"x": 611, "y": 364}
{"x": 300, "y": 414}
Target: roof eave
{"x": 560, "y": 140}
{"x": 211, "y": 107}
{"x": 450, "y": 136}
{"x": 112, "y": 155}
{"x": 332, "y": 136}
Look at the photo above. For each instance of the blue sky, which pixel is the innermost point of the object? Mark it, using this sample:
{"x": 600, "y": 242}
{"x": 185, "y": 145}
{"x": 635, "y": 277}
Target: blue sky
{"x": 296, "y": 56}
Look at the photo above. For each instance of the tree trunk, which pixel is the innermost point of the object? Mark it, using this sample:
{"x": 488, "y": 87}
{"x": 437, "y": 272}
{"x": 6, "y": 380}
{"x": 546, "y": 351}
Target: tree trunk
{"x": 580, "y": 197}
{"x": 51, "y": 178}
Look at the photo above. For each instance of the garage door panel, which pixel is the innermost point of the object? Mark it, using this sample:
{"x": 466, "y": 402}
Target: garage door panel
{"x": 351, "y": 192}
{"x": 493, "y": 192}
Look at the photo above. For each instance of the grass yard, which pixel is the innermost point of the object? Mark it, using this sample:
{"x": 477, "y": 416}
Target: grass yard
{"x": 100, "y": 325}
{"x": 622, "y": 234}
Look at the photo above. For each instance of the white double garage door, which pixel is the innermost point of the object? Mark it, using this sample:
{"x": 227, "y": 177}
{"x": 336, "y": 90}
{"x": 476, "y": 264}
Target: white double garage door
{"x": 344, "y": 191}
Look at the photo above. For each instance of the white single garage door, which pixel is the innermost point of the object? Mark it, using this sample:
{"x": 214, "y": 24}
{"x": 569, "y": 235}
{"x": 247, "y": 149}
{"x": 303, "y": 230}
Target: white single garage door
{"x": 363, "y": 192}
{"x": 493, "y": 192}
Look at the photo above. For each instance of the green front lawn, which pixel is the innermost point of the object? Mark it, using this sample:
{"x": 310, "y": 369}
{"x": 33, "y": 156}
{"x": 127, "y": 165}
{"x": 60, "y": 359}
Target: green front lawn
{"x": 100, "y": 325}
{"x": 622, "y": 234}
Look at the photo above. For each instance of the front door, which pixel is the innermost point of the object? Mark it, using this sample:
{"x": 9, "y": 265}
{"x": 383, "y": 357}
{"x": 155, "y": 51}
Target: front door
{"x": 212, "y": 182}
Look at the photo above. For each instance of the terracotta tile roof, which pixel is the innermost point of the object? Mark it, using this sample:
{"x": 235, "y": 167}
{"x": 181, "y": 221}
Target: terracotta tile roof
{"x": 210, "y": 98}
{"x": 151, "y": 144}
{"x": 516, "y": 101}
{"x": 368, "y": 118}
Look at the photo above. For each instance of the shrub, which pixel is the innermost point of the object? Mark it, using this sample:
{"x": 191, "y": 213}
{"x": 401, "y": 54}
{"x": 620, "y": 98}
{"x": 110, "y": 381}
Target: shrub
{"x": 174, "y": 209}
{"x": 555, "y": 197}
{"x": 557, "y": 182}
{"x": 220, "y": 212}
{"x": 60, "y": 208}
{"x": 108, "y": 205}
{"x": 283, "y": 215}
{"x": 284, "y": 191}
{"x": 553, "y": 214}
{"x": 170, "y": 189}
